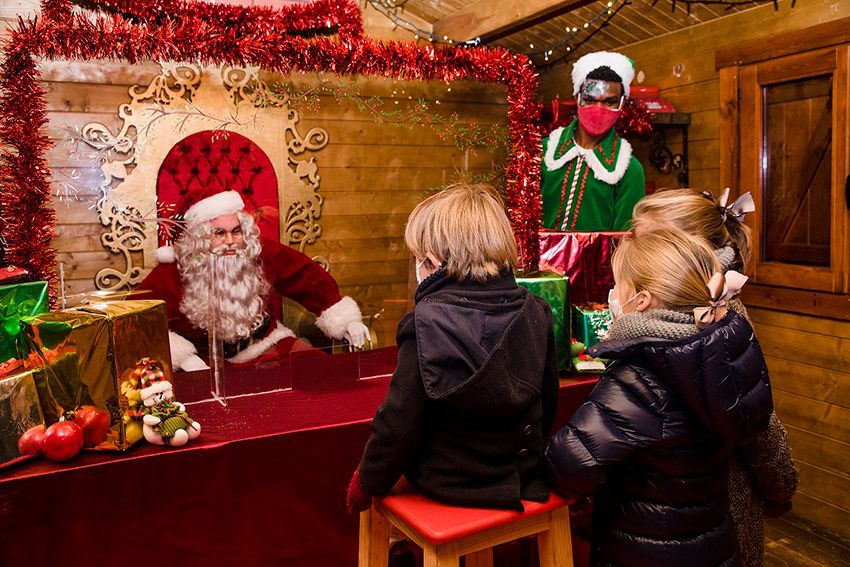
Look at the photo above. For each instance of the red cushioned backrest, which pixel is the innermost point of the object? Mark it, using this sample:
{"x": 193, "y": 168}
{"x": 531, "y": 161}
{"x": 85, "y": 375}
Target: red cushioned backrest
{"x": 209, "y": 162}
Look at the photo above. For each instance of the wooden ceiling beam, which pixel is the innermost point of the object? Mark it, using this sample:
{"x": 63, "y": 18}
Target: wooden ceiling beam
{"x": 482, "y": 18}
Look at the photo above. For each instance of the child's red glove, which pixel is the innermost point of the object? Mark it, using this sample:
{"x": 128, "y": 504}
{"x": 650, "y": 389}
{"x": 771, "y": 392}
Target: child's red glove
{"x": 356, "y": 500}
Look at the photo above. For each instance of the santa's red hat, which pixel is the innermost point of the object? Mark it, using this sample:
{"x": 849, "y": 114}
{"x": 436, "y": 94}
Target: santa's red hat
{"x": 205, "y": 210}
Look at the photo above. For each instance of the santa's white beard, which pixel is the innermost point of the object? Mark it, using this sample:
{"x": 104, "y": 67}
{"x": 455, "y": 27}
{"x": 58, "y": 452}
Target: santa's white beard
{"x": 241, "y": 288}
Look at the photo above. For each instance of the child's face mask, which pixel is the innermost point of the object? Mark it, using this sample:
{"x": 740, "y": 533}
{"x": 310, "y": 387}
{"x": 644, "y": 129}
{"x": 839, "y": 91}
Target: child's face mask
{"x": 614, "y": 304}
{"x": 419, "y": 265}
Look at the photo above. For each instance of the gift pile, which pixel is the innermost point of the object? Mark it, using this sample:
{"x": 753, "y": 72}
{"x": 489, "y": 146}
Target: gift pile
{"x": 575, "y": 278}
{"x": 71, "y": 379}
{"x": 554, "y": 288}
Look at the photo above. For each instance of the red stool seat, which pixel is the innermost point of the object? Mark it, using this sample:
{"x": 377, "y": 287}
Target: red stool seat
{"x": 441, "y": 523}
{"x": 446, "y": 532}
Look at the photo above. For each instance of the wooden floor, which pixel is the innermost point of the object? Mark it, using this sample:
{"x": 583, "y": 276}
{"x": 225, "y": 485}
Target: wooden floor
{"x": 791, "y": 541}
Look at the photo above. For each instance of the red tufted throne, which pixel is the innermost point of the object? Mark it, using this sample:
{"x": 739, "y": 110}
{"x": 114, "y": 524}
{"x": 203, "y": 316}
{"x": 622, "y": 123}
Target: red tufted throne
{"x": 209, "y": 162}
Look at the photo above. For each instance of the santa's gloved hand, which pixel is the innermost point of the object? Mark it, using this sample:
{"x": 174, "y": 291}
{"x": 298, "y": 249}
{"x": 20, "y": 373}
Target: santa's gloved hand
{"x": 184, "y": 355}
{"x": 192, "y": 363}
{"x": 356, "y": 500}
{"x": 357, "y": 333}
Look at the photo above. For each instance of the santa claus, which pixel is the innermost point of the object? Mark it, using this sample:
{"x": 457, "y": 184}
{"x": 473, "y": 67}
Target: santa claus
{"x": 251, "y": 275}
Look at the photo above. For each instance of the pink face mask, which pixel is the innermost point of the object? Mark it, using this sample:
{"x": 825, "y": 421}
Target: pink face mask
{"x": 597, "y": 120}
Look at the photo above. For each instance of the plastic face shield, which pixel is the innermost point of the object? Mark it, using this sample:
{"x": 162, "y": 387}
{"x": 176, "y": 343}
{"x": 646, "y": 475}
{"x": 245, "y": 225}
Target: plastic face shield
{"x": 606, "y": 93}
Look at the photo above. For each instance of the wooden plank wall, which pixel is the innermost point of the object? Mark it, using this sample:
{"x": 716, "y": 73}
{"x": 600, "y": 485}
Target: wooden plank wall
{"x": 371, "y": 176}
{"x": 682, "y": 64}
{"x": 808, "y": 357}
{"x": 809, "y": 362}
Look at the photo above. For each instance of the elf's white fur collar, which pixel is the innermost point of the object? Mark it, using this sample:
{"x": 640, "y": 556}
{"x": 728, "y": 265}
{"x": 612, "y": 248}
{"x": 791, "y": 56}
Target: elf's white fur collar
{"x": 624, "y": 155}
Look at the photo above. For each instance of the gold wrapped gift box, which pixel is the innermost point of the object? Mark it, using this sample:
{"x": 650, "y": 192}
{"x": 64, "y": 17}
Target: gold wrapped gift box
{"x": 88, "y": 356}
{"x": 19, "y": 410}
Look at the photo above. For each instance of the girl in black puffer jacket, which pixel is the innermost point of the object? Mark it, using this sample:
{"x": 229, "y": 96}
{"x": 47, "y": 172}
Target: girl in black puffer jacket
{"x": 652, "y": 443}
{"x": 762, "y": 475}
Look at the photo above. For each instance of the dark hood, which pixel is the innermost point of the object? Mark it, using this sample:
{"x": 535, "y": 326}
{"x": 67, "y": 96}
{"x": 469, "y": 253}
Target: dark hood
{"x": 719, "y": 372}
{"x": 478, "y": 344}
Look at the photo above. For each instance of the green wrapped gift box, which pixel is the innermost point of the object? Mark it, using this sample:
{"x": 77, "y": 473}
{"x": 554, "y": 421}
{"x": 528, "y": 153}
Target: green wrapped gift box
{"x": 590, "y": 324}
{"x": 18, "y": 301}
{"x": 555, "y": 289}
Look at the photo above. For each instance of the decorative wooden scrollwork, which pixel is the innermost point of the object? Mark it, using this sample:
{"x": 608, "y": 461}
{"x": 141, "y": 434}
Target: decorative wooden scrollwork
{"x": 182, "y": 100}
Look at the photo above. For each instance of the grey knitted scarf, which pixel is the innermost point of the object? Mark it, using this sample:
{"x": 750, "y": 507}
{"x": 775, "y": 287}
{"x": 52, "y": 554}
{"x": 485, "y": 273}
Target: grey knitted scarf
{"x": 664, "y": 323}
{"x": 727, "y": 258}
{"x": 655, "y": 323}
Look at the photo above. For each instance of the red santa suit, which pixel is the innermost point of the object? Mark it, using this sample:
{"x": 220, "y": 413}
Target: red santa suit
{"x": 291, "y": 274}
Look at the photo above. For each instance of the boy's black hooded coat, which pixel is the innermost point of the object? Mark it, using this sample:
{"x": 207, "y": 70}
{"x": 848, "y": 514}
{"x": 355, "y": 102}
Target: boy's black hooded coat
{"x": 472, "y": 399}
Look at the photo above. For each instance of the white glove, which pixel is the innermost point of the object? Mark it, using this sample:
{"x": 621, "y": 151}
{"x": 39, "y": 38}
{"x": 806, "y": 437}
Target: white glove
{"x": 184, "y": 355}
{"x": 357, "y": 334}
{"x": 192, "y": 363}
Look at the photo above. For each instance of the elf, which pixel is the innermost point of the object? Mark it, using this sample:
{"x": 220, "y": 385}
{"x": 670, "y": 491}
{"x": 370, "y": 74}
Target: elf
{"x": 591, "y": 181}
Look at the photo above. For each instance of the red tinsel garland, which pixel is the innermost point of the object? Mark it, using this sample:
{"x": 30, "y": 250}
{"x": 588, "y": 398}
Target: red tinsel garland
{"x": 634, "y": 120}
{"x": 27, "y": 217}
{"x": 320, "y": 17}
{"x": 207, "y": 34}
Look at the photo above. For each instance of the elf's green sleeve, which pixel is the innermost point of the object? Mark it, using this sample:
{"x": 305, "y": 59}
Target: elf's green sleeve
{"x": 630, "y": 190}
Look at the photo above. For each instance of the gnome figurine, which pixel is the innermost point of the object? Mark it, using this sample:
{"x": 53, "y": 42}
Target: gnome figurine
{"x": 165, "y": 421}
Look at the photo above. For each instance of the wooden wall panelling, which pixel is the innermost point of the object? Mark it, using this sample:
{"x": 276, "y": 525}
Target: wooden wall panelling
{"x": 841, "y": 171}
{"x": 478, "y": 19}
{"x": 728, "y": 128}
{"x": 372, "y": 175}
{"x": 808, "y": 361}
{"x": 791, "y": 42}
{"x": 816, "y": 416}
{"x": 818, "y": 383}
{"x": 706, "y": 179}
{"x": 11, "y": 9}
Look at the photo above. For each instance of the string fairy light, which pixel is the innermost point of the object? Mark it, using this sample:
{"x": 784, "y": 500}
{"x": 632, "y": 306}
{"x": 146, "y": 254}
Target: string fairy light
{"x": 561, "y": 50}
{"x": 391, "y": 8}
{"x": 548, "y": 56}
{"x": 729, "y": 4}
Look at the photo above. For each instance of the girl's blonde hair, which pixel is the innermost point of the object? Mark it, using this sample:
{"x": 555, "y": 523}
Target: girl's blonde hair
{"x": 672, "y": 266}
{"x": 464, "y": 227}
{"x": 695, "y": 214}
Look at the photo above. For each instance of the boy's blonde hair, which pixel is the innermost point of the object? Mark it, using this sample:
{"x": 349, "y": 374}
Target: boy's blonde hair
{"x": 464, "y": 227}
{"x": 672, "y": 266}
{"x": 695, "y": 214}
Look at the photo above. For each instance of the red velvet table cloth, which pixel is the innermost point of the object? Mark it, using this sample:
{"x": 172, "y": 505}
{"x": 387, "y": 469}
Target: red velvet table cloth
{"x": 263, "y": 485}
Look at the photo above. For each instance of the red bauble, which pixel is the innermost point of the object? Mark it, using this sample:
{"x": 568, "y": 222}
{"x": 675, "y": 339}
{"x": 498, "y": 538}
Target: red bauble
{"x": 94, "y": 423}
{"x": 32, "y": 441}
{"x": 63, "y": 440}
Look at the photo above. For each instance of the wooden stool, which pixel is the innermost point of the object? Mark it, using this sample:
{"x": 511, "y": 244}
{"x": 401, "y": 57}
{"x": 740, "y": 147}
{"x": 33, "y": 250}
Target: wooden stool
{"x": 446, "y": 532}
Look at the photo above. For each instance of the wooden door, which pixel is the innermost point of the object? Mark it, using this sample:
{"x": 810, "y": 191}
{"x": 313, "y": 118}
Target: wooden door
{"x": 793, "y": 157}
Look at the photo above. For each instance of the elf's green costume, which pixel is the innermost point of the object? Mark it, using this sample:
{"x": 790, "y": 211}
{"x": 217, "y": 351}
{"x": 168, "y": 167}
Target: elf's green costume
{"x": 589, "y": 190}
